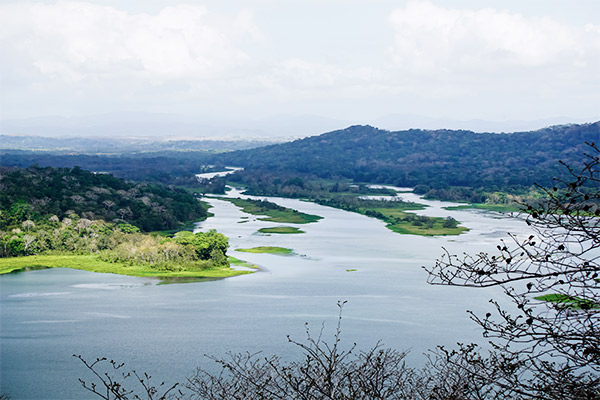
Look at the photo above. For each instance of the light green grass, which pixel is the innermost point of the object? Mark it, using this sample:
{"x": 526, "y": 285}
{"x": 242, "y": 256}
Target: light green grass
{"x": 268, "y": 249}
{"x": 93, "y": 264}
{"x": 241, "y": 263}
{"x": 286, "y": 216}
{"x": 281, "y": 229}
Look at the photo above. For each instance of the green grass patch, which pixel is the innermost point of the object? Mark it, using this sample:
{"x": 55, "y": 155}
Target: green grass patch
{"x": 281, "y": 229}
{"x": 274, "y": 212}
{"x": 351, "y": 270}
{"x": 93, "y": 264}
{"x": 268, "y": 250}
{"x": 241, "y": 263}
{"x": 569, "y": 301}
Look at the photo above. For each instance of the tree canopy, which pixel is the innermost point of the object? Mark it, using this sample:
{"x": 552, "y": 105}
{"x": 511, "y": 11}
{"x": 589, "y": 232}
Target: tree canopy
{"x": 38, "y": 193}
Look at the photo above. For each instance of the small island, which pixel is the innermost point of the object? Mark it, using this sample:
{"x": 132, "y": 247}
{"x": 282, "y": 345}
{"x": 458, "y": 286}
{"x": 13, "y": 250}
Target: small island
{"x": 284, "y": 230}
{"x": 394, "y": 214}
{"x": 274, "y": 212}
{"x": 268, "y": 250}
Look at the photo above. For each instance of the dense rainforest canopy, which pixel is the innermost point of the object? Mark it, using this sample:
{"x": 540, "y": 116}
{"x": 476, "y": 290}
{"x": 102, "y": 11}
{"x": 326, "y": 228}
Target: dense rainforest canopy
{"x": 445, "y": 164}
{"x": 434, "y": 159}
{"x": 39, "y": 193}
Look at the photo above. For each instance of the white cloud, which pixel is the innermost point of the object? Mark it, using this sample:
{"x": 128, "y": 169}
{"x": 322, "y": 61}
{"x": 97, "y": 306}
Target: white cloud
{"x": 452, "y": 44}
{"x": 76, "y": 41}
{"x": 77, "y": 57}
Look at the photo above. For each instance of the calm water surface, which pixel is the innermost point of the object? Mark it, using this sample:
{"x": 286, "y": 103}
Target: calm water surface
{"x": 49, "y": 315}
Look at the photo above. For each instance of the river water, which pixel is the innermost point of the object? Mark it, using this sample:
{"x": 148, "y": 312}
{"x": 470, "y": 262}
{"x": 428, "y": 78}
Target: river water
{"x": 49, "y": 315}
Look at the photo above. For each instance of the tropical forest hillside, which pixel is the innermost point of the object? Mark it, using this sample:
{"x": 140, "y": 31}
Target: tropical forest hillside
{"x": 432, "y": 161}
{"x": 40, "y": 193}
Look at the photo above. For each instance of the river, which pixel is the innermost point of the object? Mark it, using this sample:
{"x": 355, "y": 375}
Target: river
{"x": 49, "y": 315}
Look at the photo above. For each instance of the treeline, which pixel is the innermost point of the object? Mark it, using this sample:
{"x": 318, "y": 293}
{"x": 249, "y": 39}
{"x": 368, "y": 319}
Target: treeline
{"x": 295, "y": 185}
{"x": 123, "y": 145}
{"x": 37, "y": 194}
{"x": 123, "y": 243}
{"x": 166, "y": 167}
{"x": 477, "y": 162}
{"x": 445, "y": 164}
{"x": 185, "y": 251}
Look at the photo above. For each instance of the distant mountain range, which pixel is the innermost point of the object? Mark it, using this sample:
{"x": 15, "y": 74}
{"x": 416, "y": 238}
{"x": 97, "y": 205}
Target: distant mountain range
{"x": 437, "y": 158}
{"x": 431, "y": 159}
{"x": 180, "y": 127}
{"x": 123, "y": 145}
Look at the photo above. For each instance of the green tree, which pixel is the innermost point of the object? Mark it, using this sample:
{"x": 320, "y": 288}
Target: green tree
{"x": 207, "y": 242}
{"x": 204, "y": 243}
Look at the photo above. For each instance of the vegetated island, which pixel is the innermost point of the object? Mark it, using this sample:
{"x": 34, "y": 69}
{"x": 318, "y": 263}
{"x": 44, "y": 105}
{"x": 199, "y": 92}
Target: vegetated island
{"x": 393, "y": 213}
{"x": 268, "y": 250}
{"x": 349, "y": 198}
{"x": 284, "y": 230}
{"x": 57, "y": 218}
{"x": 274, "y": 212}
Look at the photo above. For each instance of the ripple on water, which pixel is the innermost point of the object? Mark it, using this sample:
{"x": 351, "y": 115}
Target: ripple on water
{"x": 111, "y": 286}
{"x": 39, "y": 294}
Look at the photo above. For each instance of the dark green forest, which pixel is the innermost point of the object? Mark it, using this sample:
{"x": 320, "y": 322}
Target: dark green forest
{"x": 446, "y": 164}
{"x": 443, "y": 164}
{"x": 168, "y": 167}
{"x": 39, "y": 193}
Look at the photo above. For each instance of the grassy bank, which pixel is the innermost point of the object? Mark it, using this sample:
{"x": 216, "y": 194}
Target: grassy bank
{"x": 285, "y": 230}
{"x": 241, "y": 263}
{"x": 274, "y": 212}
{"x": 267, "y": 249}
{"x": 93, "y": 264}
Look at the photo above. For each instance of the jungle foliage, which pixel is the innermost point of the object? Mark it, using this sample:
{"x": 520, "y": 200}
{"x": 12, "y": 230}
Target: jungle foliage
{"x": 37, "y": 194}
{"x": 451, "y": 165}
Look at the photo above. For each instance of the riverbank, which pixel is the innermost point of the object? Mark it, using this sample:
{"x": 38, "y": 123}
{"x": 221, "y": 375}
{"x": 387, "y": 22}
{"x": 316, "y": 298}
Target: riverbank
{"x": 92, "y": 263}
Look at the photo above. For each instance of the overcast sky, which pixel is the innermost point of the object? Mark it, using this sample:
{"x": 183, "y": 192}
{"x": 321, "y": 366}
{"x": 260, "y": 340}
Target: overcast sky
{"x": 344, "y": 59}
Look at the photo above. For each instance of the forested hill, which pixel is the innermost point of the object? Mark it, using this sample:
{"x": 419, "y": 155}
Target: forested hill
{"x": 439, "y": 158}
{"x": 41, "y": 193}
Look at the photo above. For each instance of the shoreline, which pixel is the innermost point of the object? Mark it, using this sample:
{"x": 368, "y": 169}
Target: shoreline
{"x": 91, "y": 263}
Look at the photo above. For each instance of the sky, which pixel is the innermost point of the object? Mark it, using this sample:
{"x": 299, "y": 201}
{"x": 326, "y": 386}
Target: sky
{"x": 350, "y": 60}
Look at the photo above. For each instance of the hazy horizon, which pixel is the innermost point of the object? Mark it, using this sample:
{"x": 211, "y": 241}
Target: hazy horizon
{"x": 289, "y": 68}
